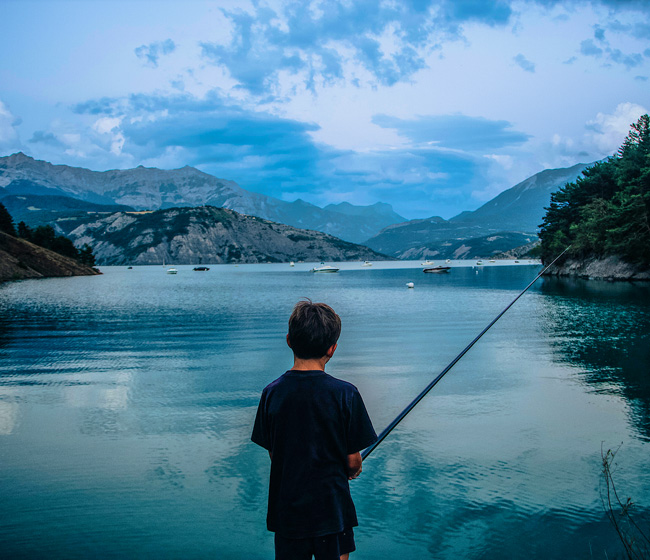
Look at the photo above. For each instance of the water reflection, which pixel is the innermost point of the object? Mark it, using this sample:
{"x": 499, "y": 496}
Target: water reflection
{"x": 126, "y": 403}
{"x": 604, "y": 328}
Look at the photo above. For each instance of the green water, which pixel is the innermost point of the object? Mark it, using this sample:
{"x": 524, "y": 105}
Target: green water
{"x": 127, "y": 400}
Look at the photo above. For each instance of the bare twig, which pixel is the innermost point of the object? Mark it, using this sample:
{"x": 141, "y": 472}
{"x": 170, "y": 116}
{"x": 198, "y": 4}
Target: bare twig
{"x": 634, "y": 539}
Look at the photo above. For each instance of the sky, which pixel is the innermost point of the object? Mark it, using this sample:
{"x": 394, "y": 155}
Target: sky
{"x": 433, "y": 106}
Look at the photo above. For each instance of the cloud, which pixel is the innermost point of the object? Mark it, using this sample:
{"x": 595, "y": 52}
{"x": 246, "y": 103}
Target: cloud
{"x": 627, "y": 60}
{"x": 150, "y": 54}
{"x": 210, "y": 131}
{"x": 589, "y": 48}
{"x": 602, "y": 47}
{"x": 455, "y": 131}
{"x": 9, "y": 139}
{"x": 387, "y": 40}
{"x": 525, "y": 64}
{"x": 602, "y": 137}
{"x": 606, "y": 132}
{"x": 279, "y": 157}
{"x": 109, "y": 128}
{"x": 41, "y": 137}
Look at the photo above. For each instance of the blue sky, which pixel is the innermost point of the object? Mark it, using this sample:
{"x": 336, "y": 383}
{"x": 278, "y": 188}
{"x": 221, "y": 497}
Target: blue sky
{"x": 432, "y": 106}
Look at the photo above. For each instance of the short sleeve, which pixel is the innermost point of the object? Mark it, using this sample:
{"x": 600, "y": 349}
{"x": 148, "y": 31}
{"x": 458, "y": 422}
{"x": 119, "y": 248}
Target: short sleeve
{"x": 260, "y": 434}
{"x": 361, "y": 434}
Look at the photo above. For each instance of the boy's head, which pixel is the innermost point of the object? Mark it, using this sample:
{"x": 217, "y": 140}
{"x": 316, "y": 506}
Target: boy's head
{"x": 313, "y": 329}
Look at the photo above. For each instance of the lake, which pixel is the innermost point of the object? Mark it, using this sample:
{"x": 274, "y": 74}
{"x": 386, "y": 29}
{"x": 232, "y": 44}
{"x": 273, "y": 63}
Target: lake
{"x": 127, "y": 402}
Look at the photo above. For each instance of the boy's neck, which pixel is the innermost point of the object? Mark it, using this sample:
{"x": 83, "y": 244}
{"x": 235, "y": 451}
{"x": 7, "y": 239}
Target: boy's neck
{"x": 310, "y": 365}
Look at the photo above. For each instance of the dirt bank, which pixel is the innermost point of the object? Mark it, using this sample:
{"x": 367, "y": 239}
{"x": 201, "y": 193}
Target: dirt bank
{"x": 20, "y": 259}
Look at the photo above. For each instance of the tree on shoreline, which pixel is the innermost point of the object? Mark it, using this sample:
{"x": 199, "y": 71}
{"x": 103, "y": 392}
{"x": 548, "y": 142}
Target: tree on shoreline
{"x": 607, "y": 210}
{"x": 46, "y": 237}
{"x": 6, "y": 221}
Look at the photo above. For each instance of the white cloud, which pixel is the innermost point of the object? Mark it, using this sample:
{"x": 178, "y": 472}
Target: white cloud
{"x": 8, "y": 129}
{"x": 607, "y": 131}
{"x": 504, "y": 161}
{"x": 111, "y": 126}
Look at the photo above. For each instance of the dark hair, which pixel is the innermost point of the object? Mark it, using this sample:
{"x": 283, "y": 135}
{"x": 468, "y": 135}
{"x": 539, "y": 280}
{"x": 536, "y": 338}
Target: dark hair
{"x": 313, "y": 329}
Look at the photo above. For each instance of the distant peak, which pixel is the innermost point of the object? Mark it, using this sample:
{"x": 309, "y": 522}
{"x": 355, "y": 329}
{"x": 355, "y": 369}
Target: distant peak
{"x": 190, "y": 169}
{"x": 20, "y": 156}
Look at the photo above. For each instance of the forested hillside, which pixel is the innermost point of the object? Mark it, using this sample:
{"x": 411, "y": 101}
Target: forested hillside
{"x": 606, "y": 212}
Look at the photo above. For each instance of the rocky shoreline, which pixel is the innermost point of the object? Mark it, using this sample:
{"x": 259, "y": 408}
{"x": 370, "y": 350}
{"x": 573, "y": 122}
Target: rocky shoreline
{"x": 20, "y": 259}
{"x": 608, "y": 268}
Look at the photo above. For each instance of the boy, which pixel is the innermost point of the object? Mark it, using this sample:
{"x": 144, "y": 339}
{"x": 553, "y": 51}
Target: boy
{"x": 313, "y": 426}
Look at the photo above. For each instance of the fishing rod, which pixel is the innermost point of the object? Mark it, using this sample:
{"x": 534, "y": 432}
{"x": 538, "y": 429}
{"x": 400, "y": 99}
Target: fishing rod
{"x": 431, "y": 385}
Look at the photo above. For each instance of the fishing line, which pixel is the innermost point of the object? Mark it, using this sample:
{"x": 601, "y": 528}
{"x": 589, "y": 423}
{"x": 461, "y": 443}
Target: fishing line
{"x": 431, "y": 385}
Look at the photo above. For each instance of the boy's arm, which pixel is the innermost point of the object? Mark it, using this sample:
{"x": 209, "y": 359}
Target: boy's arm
{"x": 354, "y": 465}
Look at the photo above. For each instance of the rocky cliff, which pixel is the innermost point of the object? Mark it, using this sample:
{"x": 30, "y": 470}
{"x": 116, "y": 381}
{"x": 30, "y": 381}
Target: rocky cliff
{"x": 208, "y": 235}
{"x": 607, "y": 268}
{"x": 20, "y": 259}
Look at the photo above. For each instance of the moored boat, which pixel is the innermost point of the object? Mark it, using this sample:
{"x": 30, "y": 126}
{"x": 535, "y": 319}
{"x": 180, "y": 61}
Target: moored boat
{"x": 201, "y": 268}
{"x": 437, "y": 269}
{"x": 324, "y": 268}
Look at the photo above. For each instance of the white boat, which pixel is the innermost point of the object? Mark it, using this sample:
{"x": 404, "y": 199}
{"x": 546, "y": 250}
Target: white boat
{"x": 366, "y": 263}
{"x": 479, "y": 263}
{"x": 427, "y": 263}
{"x": 172, "y": 271}
{"x": 324, "y": 268}
{"x": 447, "y": 261}
{"x": 292, "y": 263}
{"x": 410, "y": 285}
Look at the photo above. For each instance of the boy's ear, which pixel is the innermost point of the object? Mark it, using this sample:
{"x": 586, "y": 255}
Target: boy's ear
{"x": 331, "y": 350}
{"x": 288, "y": 343}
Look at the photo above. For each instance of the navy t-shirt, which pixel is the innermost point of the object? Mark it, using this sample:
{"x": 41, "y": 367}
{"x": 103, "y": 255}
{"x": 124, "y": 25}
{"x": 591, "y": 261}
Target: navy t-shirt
{"x": 310, "y": 422}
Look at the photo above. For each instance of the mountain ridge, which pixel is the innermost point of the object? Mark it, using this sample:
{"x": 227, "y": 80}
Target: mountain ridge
{"x": 208, "y": 235}
{"x": 150, "y": 188}
{"x": 514, "y": 213}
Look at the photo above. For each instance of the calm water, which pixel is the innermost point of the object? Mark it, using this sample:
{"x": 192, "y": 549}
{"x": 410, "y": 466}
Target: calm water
{"x": 127, "y": 400}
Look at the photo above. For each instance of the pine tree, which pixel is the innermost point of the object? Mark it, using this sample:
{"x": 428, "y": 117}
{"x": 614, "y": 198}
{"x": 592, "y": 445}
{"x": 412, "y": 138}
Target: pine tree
{"x": 6, "y": 221}
{"x": 607, "y": 210}
{"x": 24, "y": 231}
{"x": 86, "y": 255}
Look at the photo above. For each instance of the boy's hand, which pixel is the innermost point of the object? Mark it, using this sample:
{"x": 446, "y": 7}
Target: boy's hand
{"x": 354, "y": 465}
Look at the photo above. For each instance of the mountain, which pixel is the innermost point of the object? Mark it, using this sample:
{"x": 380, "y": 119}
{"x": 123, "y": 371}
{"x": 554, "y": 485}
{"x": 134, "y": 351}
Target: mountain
{"x": 521, "y": 208}
{"x": 380, "y": 214}
{"x": 153, "y": 189}
{"x": 62, "y": 212}
{"x": 208, "y": 235}
{"x": 514, "y": 215}
{"x": 493, "y": 245}
{"x": 20, "y": 259}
